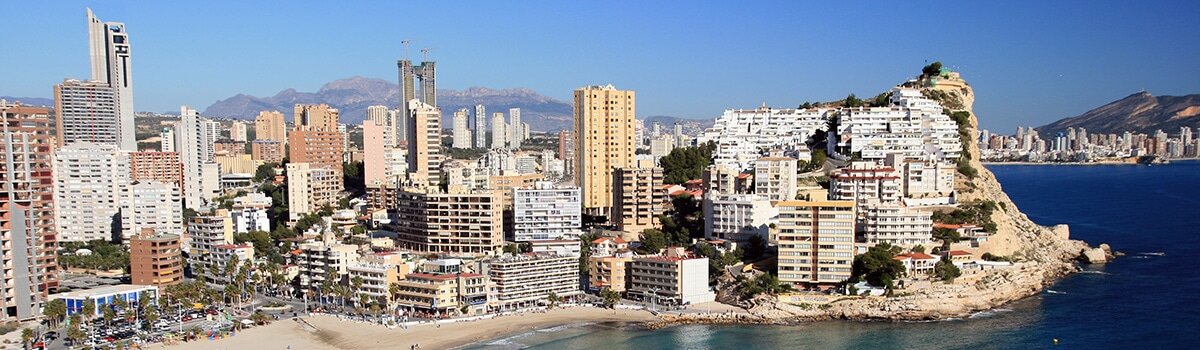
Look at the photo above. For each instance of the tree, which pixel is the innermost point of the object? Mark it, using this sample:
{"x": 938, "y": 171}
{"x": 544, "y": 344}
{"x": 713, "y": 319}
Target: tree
{"x": 756, "y": 248}
{"x": 946, "y": 270}
{"x": 108, "y": 314}
{"x": 877, "y": 266}
{"x": 89, "y": 309}
{"x": 76, "y": 331}
{"x": 357, "y": 282}
{"x": 151, "y": 315}
{"x": 653, "y": 241}
{"x": 763, "y": 283}
{"x": 853, "y": 101}
{"x": 610, "y": 297}
{"x": 54, "y": 311}
{"x": 265, "y": 172}
{"x": 932, "y": 69}
{"x": 918, "y": 249}
{"x": 552, "y": 299}
{"x": 260, "y": 318}
{"x": 686, "y": 163}
{"x": 26, "y": 337}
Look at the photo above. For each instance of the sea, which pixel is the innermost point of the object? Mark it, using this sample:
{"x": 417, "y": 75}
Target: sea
{"x": 1148, "y": 299}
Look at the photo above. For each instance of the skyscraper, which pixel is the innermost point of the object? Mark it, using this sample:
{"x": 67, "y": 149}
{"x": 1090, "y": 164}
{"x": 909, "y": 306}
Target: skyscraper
{"x": 604, "y": 140}
{"x": 168, "y": 139}
{"x": 270, "y": 125}
{"x": 320, "y": 117}
{"x": 200, "y": 174}
{"x": 462, "y": 135}
{"x": 237, "y": 131}
{"x": 499, "y": 131}
{"x": 517, "y": 134}
{"x": 424, "y": 143}
{"x": 87, "y": 112}
{"x": 480, "y": 126}
{"x": 409, "y": 75}
{"x": 26, "y": 211}
{"x": 108, "y": 44}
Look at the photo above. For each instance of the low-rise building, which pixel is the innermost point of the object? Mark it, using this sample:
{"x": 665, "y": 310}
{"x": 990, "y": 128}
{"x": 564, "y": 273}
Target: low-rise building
{"x": 377, "y": 271}
{"x": 155, "y": 259}
{"x": 610, "y": 271}
{"x": 250, "y": 213}
{"x": 897, "y": 225}
{"x": 608, "y": 246}
{"x": 917, "y": 264}
{"x": 444, "y": 294}
{"x": 104, "y": 296}
{"x": 675, "y": 278}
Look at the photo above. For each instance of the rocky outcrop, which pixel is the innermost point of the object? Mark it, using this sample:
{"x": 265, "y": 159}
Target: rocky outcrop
{"x": 1094, "y": 256}
{"x": 1045, "y": 254}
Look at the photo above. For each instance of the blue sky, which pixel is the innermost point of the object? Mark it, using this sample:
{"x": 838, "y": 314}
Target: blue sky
{"x": 1030, "y": 62}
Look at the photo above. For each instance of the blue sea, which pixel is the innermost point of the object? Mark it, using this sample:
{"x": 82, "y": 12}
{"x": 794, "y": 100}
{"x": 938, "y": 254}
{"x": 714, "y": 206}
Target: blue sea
{"x": 1149, "y": 299}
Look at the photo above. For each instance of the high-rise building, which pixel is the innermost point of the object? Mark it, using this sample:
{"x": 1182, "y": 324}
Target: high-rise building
{"x": 499, "y": 131}
{"x": 207, "y": 232}
{"x": 377, "y": 147}
{"x": 167, "y": 136}
{"x": 637, "y": 198}
{"x": 155, "y": 259}
{"x": 409, "y": 76}
{"x": 816, "y": 242}
{"x": 566, "y": 151}
{"x": 481, "y": 129}
{"x": 162, "y": 167}
{"x": 108, "y": 44}
{"x": 87, "y": 112}
{"x": 517, "y": 136}
{"x": 546, "y": 212}
{"x": 88, "y": 182}
{"x": 319, "y": 148}
{"x": 523, "y": 281}
{"x": 270, "y": 125}
{"x": 424, "y": 143}
{"x": 461, "y": 134}
{"x": 320, "y": 117}
{"x": 212, "y": 133}
{"x": 200, "y": 174}
{"x": 604, "y": 140}
{"x": 26, "y": 211}
{"x": 310, "y": 188}
{"x": 775, "y": 178}
{"x": 151, "y": 205}
{"x": 237, "y": 132}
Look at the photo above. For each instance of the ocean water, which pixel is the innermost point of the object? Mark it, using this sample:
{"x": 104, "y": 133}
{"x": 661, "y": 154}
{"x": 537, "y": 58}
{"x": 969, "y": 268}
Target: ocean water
{"x": 1149, "y": 299}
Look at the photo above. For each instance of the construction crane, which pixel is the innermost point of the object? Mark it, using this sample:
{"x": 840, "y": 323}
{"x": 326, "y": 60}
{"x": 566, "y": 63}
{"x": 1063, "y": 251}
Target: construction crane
{"x": 425, "y": 54}
{"x": 405, "y": 43}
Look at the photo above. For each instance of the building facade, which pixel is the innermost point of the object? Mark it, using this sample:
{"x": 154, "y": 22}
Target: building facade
{"x": 311, "y": 188}
{"x": 604, "y": 140}
{"x": 637, "y": 198}
{"x": 151, "y": 205}
{"x": 88, "y": 182}
{"x": 27, "y": 211}
{"x": 816, "y": 242}
{"x": 546, "y": 212}
{"x": 87, "y": 112}
{"x": 527, "y": 280}
{"x": 155, "y": 259}
{"x": 452, "y": 223}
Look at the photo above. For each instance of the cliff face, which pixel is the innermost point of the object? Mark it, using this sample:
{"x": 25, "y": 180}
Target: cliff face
{"x": 1047, "y": 254}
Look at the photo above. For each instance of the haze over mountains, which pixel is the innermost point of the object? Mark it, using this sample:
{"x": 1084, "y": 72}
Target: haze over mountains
{"x": 353, "y": 95}
{"x": 1140, "y": 112}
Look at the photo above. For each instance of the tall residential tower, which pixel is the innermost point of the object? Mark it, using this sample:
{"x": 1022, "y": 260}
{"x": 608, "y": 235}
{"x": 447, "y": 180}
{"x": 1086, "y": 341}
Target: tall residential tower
{"x": 108, "y": 44}
{"x": 604, "y": 140}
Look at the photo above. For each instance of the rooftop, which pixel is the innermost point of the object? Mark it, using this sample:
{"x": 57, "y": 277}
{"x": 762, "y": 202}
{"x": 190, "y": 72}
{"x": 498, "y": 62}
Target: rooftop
{"x": 103, "y": 291}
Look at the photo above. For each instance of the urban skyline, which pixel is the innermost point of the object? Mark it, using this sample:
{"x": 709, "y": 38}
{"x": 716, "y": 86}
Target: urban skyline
{"x": 1056, "y": 53}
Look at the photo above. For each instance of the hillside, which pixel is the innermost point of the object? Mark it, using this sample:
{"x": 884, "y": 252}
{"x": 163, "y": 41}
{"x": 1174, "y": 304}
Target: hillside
{"x": 30, "y": 101}
{"x": 1140, "y": 112}
{"x": 353, "y": 95}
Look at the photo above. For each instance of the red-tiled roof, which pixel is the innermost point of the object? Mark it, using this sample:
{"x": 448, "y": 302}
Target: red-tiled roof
{"x": 618, "y": 240}
{"x": 958, "y": 253}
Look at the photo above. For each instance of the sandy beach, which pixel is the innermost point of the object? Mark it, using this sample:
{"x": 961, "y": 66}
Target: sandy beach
{"x": 333, "y": 333}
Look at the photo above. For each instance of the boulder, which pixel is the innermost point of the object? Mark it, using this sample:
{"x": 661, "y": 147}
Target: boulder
{"x": 1094, "y": 256}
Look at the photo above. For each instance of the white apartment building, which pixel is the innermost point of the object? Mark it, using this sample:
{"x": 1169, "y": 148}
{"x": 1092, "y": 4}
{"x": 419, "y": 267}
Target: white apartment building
{"x": 237, "y": 131}
{"x": 738, "y": 216}
{"x": 546, "y": 212}
{"x": 675, "y": 278}
{"x": 310, "y": 188}
{"x": 526, "y": 164}
{"x": 923, "y": 178}
{"x": 194, "y": 142}
{"x": 319, "y": 260}
{"x": 523, "y": 281}
{"x": 205, "y": 234}
{"x": 816, "y": 242}
{"x": 907, "y": 127}
{"x": 896, "y": 225}
{"x": 742, "y": 134}
{"x": 775, "y": 178}
{"x": 87, "y": 112}
{"x": 662, "y": 145}
{"x": 222, "y": 254}
{"x": 154, "y": 205}
{"x": 461, "y": 134}
{"x": 865, "y": 182}
{"x": 88, "y": 182}
{"x": 250, "y": 213}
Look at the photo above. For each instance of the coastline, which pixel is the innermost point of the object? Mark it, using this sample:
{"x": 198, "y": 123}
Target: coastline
{"x": 328, "y": 332}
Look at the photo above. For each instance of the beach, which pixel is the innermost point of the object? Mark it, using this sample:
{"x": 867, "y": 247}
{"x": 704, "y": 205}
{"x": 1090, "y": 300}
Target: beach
{"x": 328, "y": 332}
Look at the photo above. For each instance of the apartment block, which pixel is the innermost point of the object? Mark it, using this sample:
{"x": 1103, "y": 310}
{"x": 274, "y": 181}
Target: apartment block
{"x": 377, "y": 272}
{"x": 429, "y": 220}
{"x": 443, "y": 294}
{"x": 865, "y": 182}
{"x": 775, "y": 178}
{"x": 26, "y": 211}
{"x": 270, "y": 126}
{"x": 318, "y": 148}
{"x": 250, "y": 213}
{"x": 897, "y": 225}
{"x": 155, "y": 259}
{"x": 609, "y": 272}
{"x": 204, "y": 234}
{"x": 424, "y": 143}
{"x": 151, "y": 205}
{"x": 523, "y": 281}
{"x": 229, "y": 148}
{"x": 87, "y": 112}
{"x": 267, "y": 151}
{"x": 546, "y": 212}
{"x": 675, "y": 278}
{"x": 605, "y": 139}
{"x": 311, "y": 188}
{"x": 237, "y": 131}
{"x": 319, "y": 261}
{"x": 637, "y": 198}
{"x": 162, "y": 167}
{"x": 88, "y": 182}
{"x": 738, "y": 216}
{"x": 816, "y": 242}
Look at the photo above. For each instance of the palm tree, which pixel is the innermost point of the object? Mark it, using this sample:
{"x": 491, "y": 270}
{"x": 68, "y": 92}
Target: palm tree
{"x": 151, "y": 312}
{"x": 357, "y": 283}
{"x": 26, "y": 337}
{"x": 54, "y": 311}
{"x": 76, "y": 331}
{"x": 393, "y": 289}
{"x": 552, "y": 299}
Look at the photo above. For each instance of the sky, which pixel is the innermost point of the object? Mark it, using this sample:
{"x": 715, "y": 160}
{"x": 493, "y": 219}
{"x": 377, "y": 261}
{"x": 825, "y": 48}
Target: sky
{"x": 1030, "y": 62}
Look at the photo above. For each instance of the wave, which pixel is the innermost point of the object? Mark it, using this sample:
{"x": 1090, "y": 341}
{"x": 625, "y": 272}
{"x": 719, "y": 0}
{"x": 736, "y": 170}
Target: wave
{"x": 988, "y": 313}
{"x": 1051, "y": 291}
{"x": 1153, "y": 254}
{"x": 1094, "y": 272}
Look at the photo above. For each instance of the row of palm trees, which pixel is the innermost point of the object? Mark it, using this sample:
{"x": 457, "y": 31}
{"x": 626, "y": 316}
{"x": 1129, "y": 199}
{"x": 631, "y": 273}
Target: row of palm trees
{"x": 56, "y": 311}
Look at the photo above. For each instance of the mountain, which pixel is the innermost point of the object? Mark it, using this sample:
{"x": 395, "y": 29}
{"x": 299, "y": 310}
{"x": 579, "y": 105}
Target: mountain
{"x": 1140, "y": 112}
{"x": 30, "y": 101}
{"x": 352, "y": 96}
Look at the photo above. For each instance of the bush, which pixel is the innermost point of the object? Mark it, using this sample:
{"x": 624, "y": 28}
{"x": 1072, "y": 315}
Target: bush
{"x": 946, "y": 270}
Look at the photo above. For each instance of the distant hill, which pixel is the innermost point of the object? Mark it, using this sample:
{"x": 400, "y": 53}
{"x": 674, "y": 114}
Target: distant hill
{"x": 30, "y": 101}
{"x": 1140, "y": 112}
{"x": 352, "y": 96}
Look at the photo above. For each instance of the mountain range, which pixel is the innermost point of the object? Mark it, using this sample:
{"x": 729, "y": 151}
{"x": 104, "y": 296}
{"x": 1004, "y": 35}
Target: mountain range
{"x": 30, "y": 101}
{"x": 1140, "y": 112}
{"x": 352, "y": 96}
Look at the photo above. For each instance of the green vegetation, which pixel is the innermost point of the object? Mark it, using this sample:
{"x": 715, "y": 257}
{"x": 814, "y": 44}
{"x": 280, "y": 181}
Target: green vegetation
{"x": 975, "y": 213}
{"x": 265, "y": 172}
{"x": 105, "y": 255}
{"x": 877, "y": 266}
{"x": 946, "y": 271}
{"x": 932, "y": 69}
{"x": 585, "y": 251}
{"x": 278, "y": 214}
{"x": 716, "y": 260}
{"x": 686, "y": 163}
{"x": 465, "y": 153}
{"x": 610, "y": 297}
{"x": 764, "y": 283}
{"x": 684, "y": 221}
{"x": 263, "y": 245}
{"x": 756, "y": 248}
{"x": 354, "y": 177}
{"x": 518, "y": 248}
{"x": 999, "y": 258}
{"x": 963, "y": 119}
{"x": 946, "y": 235}
{"x": 881, "y": 100}
{"x": 653, "y": 241}
{"x": 852, "y": 101}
